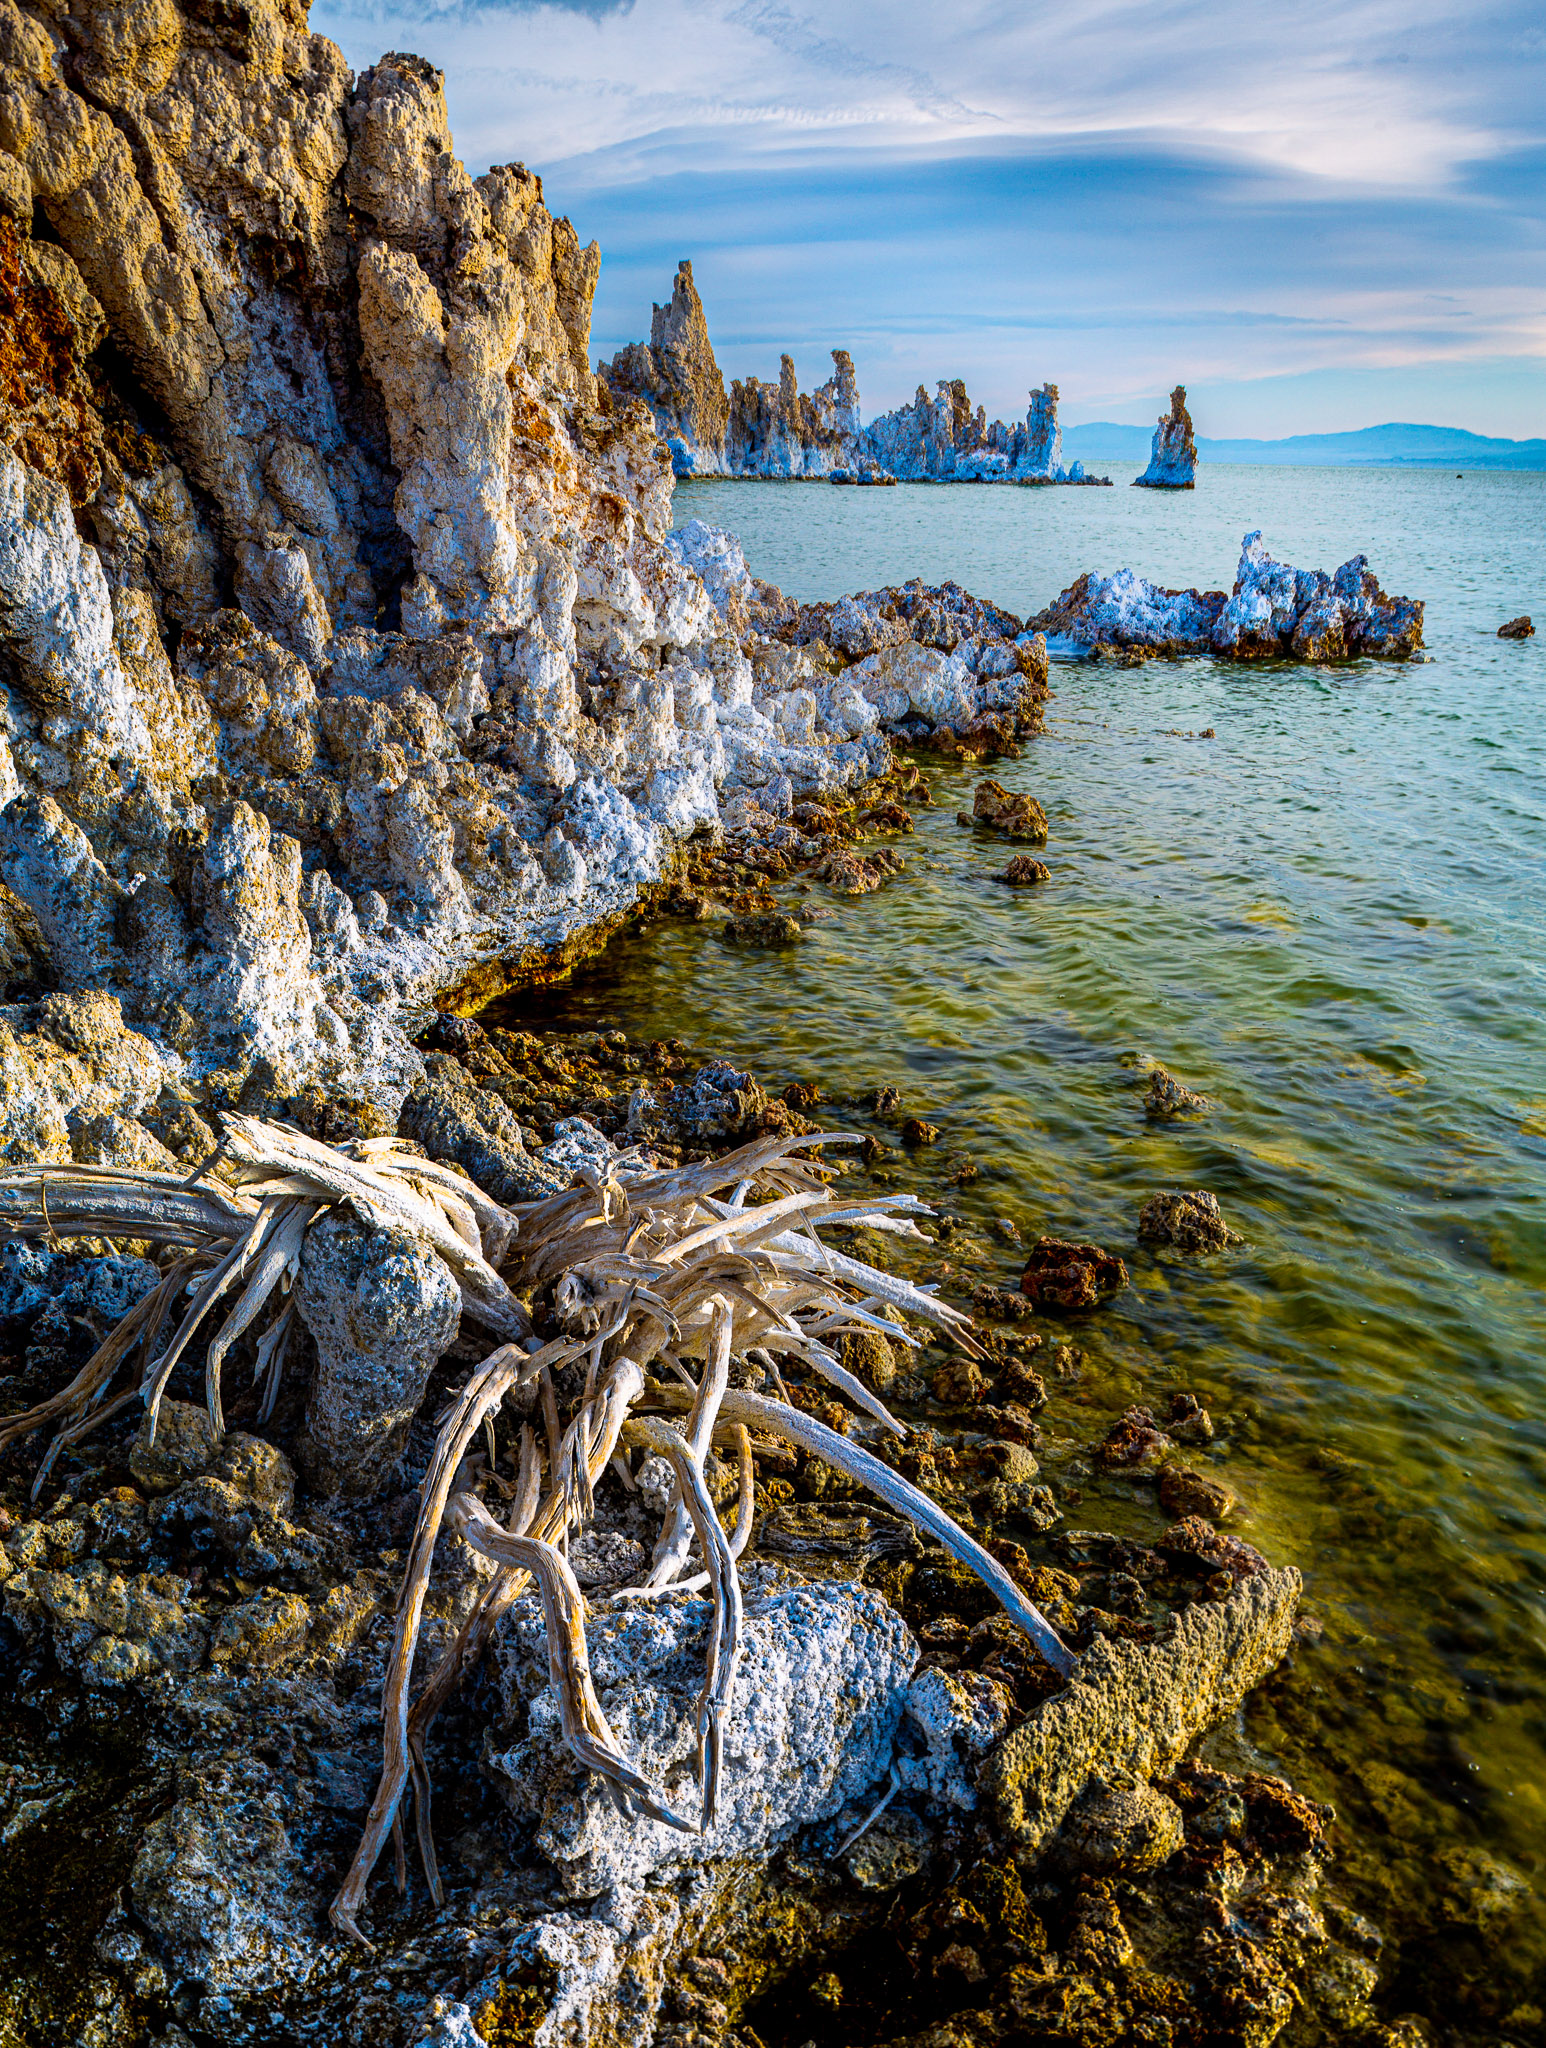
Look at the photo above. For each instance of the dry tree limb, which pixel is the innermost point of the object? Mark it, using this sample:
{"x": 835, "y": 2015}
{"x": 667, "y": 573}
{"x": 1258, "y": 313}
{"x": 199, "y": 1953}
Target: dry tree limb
{"x": 676, "y": 1537}
{"x": 852, "y": 1459}
{"x": 481, "y": 1396}
{"x": 585, "y": 1726}
{"x": 724, "y": 1651}
{"x": 102, "y": 1201}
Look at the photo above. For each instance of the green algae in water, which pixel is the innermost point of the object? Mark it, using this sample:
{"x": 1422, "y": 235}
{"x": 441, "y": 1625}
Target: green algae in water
{"x": 1330, "y": 918}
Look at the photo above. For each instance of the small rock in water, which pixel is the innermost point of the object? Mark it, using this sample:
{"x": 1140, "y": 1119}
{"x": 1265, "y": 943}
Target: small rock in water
{"x": 916, "y": 1132}
{"x": 959, "y": 1383}
{"x": 1183, "y": 1492}
{"x": 1135, "y": 1444}
{"x": 1189, "y": 1422}
{"x": 1522, "y": 628}
{"x": 1063, "y": 1277}
{"x": 1015, "y": 815}
{"x": 773, "y": 928}
{"x": 1022, "y": 871}
{"x": 1169, "y": 1098}
{"x": 886, "y": 1102}
{"x": 1191, "y": 1222}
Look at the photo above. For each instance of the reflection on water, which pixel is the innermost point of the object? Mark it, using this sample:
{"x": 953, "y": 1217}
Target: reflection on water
{"x": 1331, "y": 919}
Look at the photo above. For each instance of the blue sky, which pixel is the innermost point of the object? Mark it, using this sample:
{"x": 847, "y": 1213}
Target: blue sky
{"x": 1317, "y": 217}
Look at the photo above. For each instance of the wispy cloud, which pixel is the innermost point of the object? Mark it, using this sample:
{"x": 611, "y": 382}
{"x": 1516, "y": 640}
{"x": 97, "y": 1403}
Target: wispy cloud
{"x": 1113, "y": 193}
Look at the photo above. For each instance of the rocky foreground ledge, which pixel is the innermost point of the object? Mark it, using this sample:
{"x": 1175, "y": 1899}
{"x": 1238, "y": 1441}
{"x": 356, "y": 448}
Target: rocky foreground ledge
{"x": 920, "y": 1824}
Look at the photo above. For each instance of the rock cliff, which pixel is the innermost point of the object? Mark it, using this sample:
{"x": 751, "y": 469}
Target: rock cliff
{"x": 776, "y": 430}
{"x": 1173, "y": 462}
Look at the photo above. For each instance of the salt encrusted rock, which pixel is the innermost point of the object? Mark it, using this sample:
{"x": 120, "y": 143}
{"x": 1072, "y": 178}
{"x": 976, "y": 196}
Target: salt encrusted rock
{"x": 941, "y": 440}
{"x": 383, "y": 1309}
{"x": 1275, "y": 611}
{"x": 1173, "y": 459}
{"x": 776, "y": 430}
{"x": 717, "y": 557}
{"x": 819, "y": 1698}
{"x": 958, "y": 1716}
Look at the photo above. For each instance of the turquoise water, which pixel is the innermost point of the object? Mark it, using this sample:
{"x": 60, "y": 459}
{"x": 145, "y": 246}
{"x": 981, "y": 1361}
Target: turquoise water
{"x": 1331, "y": 919}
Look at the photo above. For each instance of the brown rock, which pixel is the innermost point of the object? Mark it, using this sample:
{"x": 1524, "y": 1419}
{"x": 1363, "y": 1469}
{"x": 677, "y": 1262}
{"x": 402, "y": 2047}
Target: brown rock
{"x": 916, "y": 1132}
{"x": 1522, "y": 628}
{"x": 1064, "y": 1277}
{"x": 773, "y": 928}
{"x": 1196, "y": 1549}
{"x": 676, "y": 375}
{"x": 959, "y": 1383}
{"x": 1184, "y": 1492}
{"x": 1168, "y": 1098}
{"x": 1190, "y": 1222}
{"x": 1135, "y": 1444}
{"x": 1015, "y": 815}
{"x": 1022, "y": 871}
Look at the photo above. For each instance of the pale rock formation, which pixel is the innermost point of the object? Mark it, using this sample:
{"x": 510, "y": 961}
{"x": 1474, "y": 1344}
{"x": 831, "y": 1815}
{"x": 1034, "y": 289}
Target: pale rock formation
{"x": 775, "y": 430}
{"x": 805, "y": 1646}
{"x": 1274, "y": 612}
{"x": 1173, "y": 460}
{"x": 352, "y": 654}
{"x": 677, "y": 377}
{"x": 942, "y": 440}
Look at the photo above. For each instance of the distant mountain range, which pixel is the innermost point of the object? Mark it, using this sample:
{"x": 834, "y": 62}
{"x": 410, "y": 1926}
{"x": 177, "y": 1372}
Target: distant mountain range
{"x": 1107, "y": 441}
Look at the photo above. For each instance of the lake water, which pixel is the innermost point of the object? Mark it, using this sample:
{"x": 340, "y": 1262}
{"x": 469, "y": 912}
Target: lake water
{"x": 1331, "y": 919}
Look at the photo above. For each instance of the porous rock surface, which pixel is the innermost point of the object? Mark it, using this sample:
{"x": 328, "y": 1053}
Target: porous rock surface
{"x": 1173, "y": 458}
{"x": 383, "y": 1309}
{"x": 1275, "y": 612}
{"x": 1138, "y": 1708}
{"x": 819, "y": 1699}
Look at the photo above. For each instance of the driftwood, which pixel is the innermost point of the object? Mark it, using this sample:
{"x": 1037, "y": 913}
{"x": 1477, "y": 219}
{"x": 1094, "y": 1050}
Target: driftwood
{"x": 677, "y": 1274}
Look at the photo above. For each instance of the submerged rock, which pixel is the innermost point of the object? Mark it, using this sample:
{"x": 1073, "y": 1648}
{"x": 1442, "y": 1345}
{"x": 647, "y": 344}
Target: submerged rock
{"x": 1173, "y": 461}
{"x": 1522, "y": 628}
{"x": 1167, "y": 1098}
{"x": 1275, "y": 611}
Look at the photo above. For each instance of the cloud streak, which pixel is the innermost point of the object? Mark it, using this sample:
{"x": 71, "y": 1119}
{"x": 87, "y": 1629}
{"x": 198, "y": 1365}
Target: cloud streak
{"x": 1108, "y": 193}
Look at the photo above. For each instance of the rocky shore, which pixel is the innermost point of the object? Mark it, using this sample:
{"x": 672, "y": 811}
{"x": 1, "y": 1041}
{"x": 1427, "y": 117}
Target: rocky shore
{"x": 354, "y": 676}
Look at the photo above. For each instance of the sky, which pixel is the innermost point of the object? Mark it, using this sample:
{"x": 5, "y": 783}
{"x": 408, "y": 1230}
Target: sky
{"x": 1317, "y": 217}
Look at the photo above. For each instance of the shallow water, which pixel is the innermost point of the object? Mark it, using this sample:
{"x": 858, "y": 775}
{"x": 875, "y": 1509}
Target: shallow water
{"x": 1331, "y": 919}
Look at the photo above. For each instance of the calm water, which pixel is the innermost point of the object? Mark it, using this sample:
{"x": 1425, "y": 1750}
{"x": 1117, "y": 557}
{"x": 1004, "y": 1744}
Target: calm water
{"x": 1331, "y": 918}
